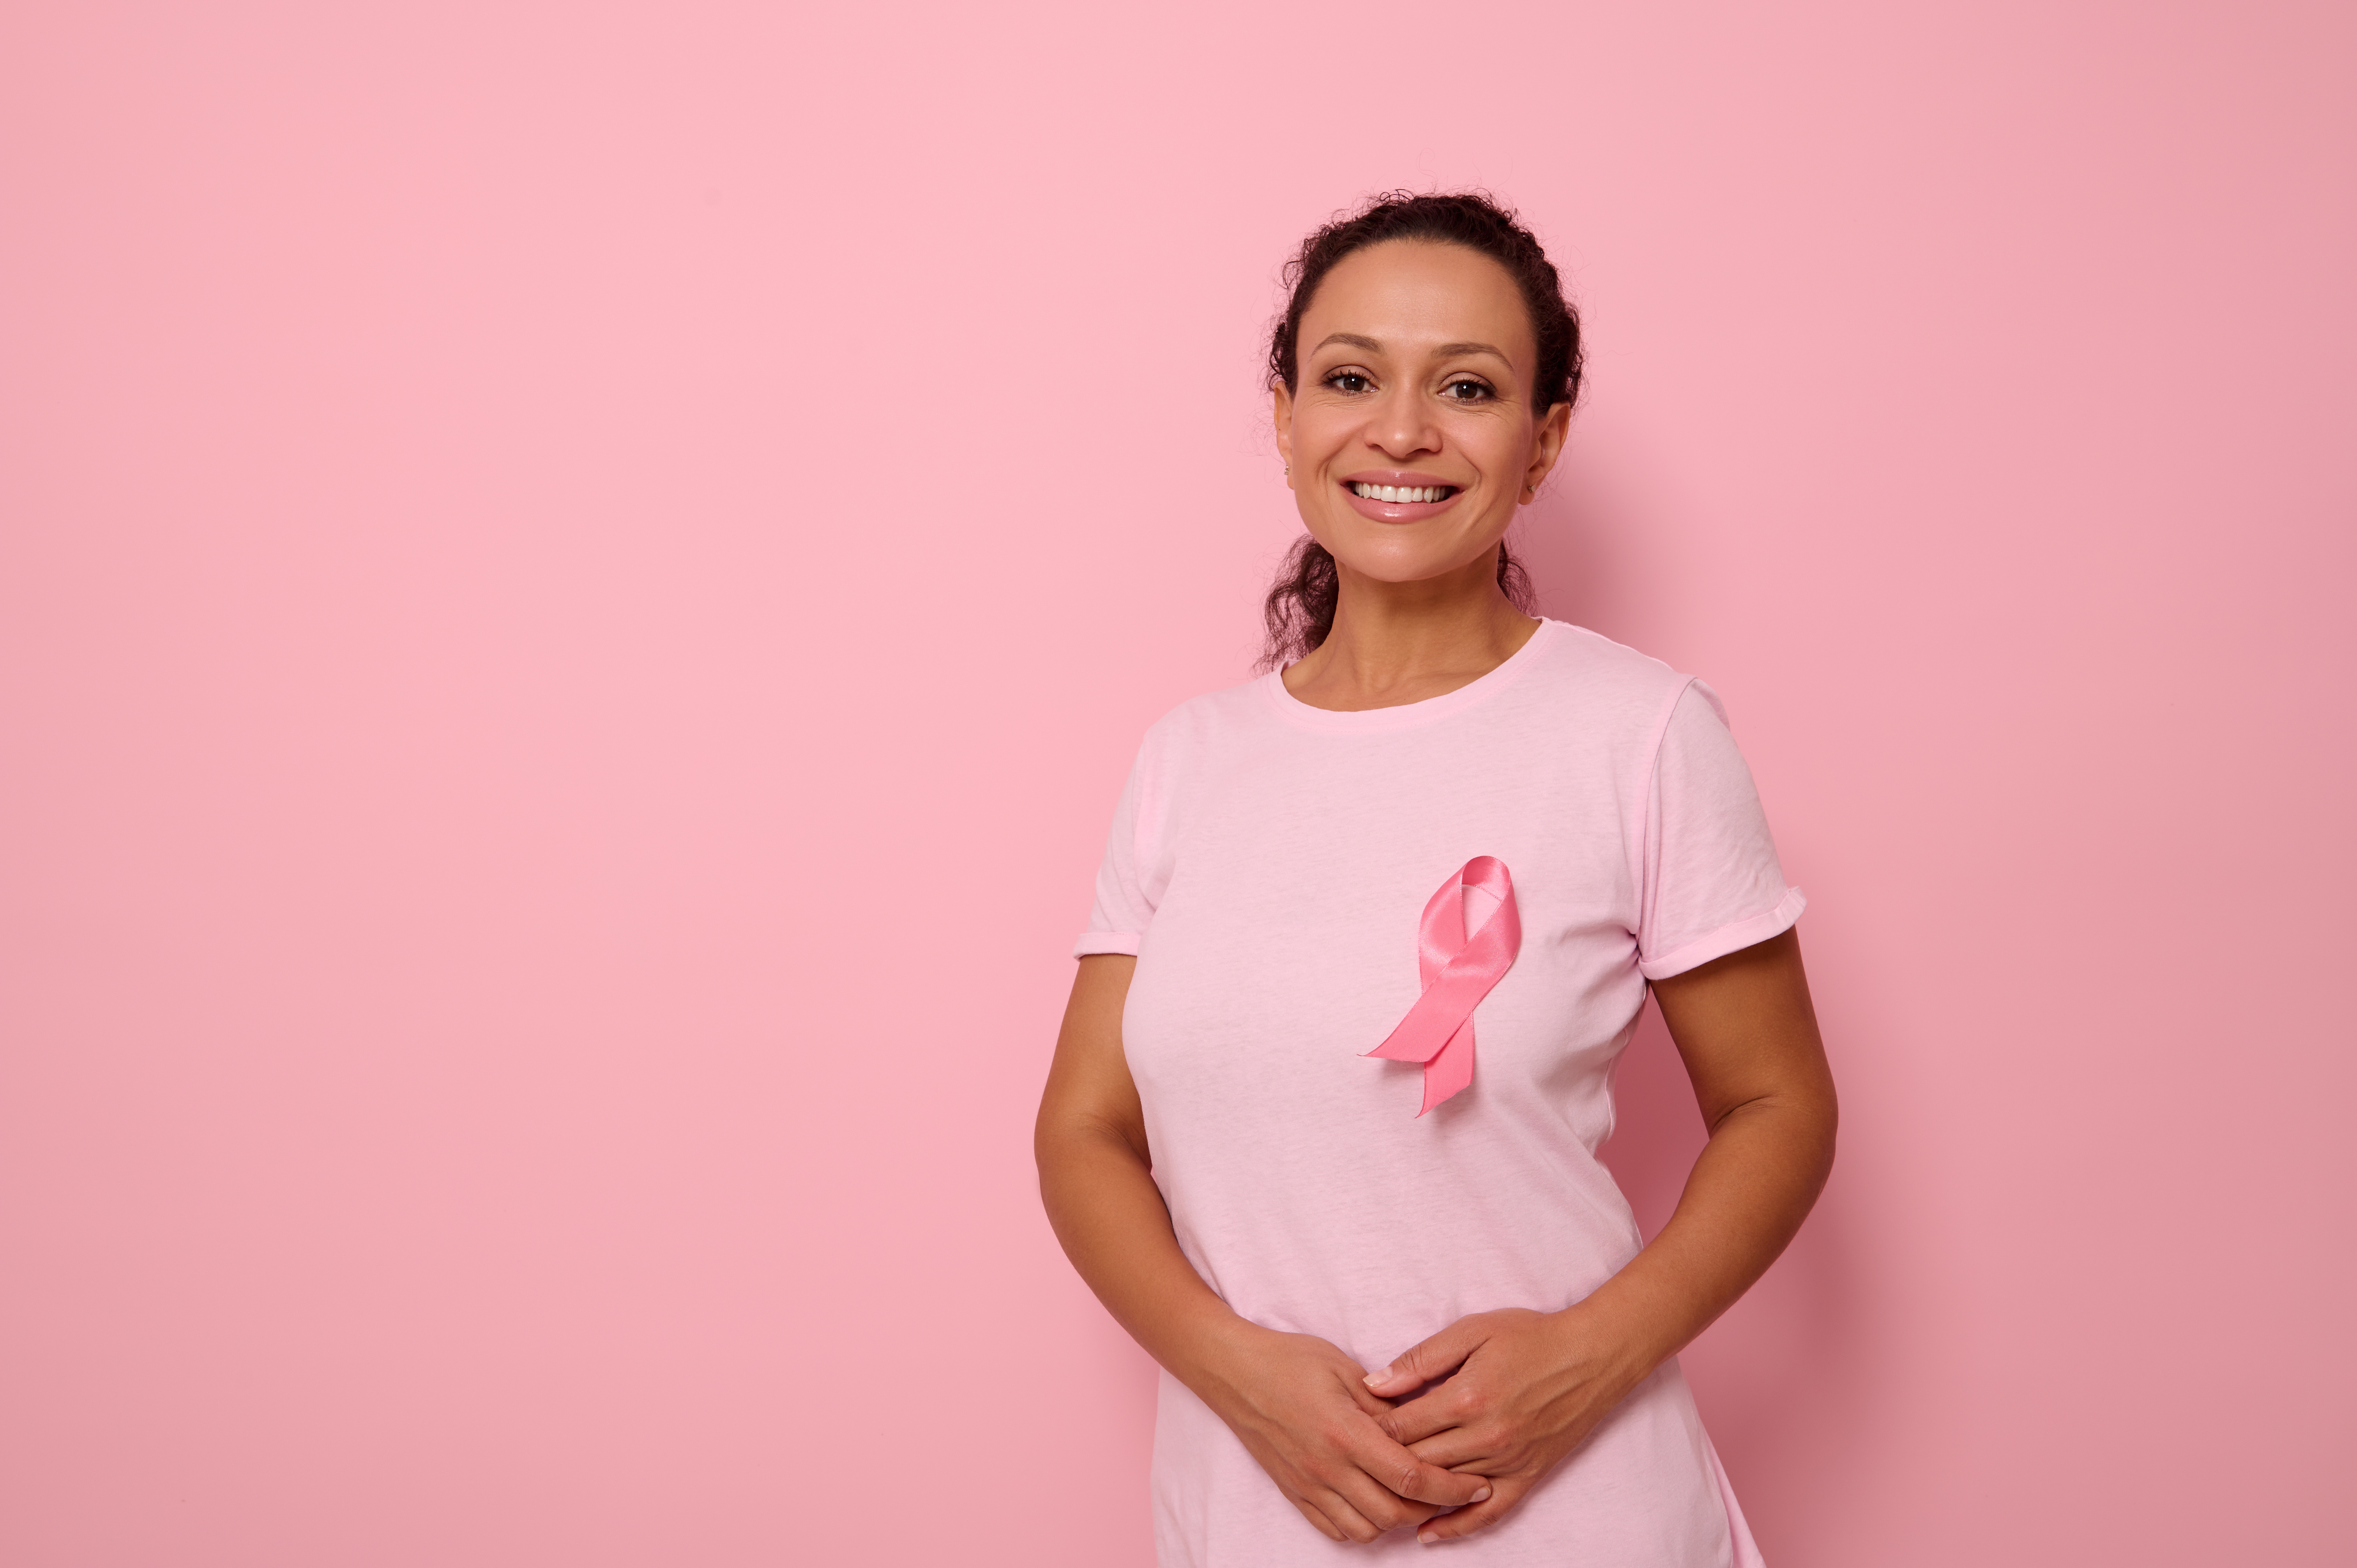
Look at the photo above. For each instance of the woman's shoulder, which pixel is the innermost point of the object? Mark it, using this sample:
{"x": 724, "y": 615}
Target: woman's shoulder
{"x": 1601, "y": 678}
{"x": 1207, "y": 720}
{"x": 1597, "y": 656}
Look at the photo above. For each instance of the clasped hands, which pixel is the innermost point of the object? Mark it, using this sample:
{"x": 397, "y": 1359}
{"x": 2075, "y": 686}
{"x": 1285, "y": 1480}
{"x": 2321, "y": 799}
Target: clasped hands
{"x": 1447, "y": 1438}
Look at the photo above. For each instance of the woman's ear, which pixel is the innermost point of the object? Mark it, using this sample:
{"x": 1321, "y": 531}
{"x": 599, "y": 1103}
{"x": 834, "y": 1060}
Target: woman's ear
{"x": 1552, "y": 429}
{"x": 1282, "y": 413}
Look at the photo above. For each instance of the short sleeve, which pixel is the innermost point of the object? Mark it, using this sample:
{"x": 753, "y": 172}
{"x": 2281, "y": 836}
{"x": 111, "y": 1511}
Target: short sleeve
{"x": 1712, "y": 884}
{"x": 1125, "y": 906}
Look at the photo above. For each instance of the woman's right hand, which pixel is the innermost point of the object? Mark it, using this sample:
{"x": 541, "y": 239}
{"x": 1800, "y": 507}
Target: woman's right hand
{"x": 1303, "y": 1410}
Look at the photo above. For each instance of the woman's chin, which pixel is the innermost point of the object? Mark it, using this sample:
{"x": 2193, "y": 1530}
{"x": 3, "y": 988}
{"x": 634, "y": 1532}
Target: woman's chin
{"x": 1403, "y": 560}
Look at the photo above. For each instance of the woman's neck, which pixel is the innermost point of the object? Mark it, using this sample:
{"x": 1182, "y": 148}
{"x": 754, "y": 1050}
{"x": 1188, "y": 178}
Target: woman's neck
{"x": 1404, "y": 642}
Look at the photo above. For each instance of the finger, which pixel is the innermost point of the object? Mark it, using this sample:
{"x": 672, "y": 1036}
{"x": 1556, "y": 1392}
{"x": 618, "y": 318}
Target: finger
{"x": 1354, "y": 1525}
{"x": 1458, "y": 1448}
{"x": 1310, "y": 1511}
{"x": 1465, "y": 1522}
{"x": 1413, "y": 1421}
{"x": 1382, "y": 1508}
{"x": 1434, "y": 1357}
{"x": 1366, "y": 1398}
{"x": 1402, "y": 1474}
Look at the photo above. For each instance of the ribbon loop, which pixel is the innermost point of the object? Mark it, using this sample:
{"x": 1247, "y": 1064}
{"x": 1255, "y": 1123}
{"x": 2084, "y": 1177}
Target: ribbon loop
{"x": 1457, "y": 967}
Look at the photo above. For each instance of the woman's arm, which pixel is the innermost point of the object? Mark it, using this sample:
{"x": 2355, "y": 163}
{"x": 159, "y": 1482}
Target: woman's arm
{"x": 1299, "y": 1404}
{"x": 1529, "y": 1386}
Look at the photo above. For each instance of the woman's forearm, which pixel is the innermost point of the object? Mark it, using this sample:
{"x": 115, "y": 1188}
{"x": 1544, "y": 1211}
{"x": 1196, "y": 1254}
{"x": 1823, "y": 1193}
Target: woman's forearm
{"x": 1102, "y": 1200}
{"x": 1747, "y": 1032}
{"x": 1096, "y": 1180}
{"x": 1751, "y": 1188}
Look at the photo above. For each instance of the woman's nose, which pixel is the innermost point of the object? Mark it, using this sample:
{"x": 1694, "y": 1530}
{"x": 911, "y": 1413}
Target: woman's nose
{"x": 1402, "y": 427}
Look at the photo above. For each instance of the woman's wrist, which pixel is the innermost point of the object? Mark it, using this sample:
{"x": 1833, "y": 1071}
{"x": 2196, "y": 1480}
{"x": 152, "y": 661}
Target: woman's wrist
{"x": 1206, "y": 1345}
{"x": 1611, "y": 1336}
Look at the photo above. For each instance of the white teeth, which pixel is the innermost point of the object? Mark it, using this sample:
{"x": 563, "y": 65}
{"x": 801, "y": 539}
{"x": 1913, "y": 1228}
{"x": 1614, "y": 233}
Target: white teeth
{"x": 1398, "y": 493}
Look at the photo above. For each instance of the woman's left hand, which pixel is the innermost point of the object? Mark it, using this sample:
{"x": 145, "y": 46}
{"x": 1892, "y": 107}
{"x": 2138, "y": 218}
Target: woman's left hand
{"x": 1524, "y": 1388}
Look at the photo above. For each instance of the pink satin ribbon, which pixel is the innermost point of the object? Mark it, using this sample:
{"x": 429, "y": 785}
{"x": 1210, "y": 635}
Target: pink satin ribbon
{"x": 1458, "y": 969}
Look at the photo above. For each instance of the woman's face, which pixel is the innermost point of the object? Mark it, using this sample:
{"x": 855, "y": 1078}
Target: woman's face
{"x": 1415, "y": 376}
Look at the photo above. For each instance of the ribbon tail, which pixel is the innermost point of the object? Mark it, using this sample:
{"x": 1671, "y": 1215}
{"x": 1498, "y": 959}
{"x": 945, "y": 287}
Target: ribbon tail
{"x": 1451, "y": 1069}
{"x": 1425, "y": 1033}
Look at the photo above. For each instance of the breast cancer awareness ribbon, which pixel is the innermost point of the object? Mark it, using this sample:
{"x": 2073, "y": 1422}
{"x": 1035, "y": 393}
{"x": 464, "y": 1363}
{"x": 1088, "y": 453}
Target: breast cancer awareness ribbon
{"x": 1459, "y": 967}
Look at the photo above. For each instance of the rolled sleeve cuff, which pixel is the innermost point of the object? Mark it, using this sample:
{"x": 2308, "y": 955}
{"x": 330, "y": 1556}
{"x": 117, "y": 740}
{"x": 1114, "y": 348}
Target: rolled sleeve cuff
{"x": 1093, "y": 942}
{"x": 1727, "y": 939}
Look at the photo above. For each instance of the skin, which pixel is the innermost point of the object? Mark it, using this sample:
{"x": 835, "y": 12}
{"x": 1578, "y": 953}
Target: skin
{"x": 1387, "y": 381}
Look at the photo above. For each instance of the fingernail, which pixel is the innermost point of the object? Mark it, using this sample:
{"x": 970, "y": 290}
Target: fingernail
{"x": 1482, "y": 1496}
{"x": 1428, "y": 1539}
{"x": 1382, "y": 1377}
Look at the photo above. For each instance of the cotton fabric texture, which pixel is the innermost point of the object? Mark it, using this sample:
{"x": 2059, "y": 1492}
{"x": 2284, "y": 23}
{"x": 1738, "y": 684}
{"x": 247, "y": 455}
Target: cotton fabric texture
{"x": 1268, "y": 864}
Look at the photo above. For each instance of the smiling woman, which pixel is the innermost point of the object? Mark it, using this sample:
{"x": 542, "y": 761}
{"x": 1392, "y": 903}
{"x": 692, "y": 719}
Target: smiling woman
{"x": 1271, "y": 1214}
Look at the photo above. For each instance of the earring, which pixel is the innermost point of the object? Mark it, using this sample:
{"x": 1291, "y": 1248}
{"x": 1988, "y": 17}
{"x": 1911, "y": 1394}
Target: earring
{"x": 1288, "y": 470}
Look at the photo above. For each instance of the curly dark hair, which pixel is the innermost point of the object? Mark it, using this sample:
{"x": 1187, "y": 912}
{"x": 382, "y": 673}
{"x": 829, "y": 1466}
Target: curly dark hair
{"x": 1299, "y": 609}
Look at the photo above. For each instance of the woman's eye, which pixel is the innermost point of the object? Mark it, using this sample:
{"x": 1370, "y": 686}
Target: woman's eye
{"x": 1348, "y": 382}
{"x": 1464, "y": 391}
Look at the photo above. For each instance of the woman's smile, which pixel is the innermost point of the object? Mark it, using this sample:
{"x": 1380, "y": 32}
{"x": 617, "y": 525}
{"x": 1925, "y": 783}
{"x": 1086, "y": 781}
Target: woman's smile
{"x": 1390, "y": 495}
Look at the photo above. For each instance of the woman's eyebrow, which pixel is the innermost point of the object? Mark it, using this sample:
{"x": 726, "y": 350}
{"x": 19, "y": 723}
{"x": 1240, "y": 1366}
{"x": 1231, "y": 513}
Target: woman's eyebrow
{"x": 1446, "y": 351}
{"x": 1450, "y": 351}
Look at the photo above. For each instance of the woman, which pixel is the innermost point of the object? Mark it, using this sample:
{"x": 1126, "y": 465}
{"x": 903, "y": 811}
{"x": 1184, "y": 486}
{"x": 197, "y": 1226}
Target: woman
{"x": 1310, "y": 1116}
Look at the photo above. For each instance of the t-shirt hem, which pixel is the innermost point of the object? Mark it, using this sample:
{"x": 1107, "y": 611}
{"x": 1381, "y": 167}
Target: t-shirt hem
{"x": 1094, "y": 942}
{"x": 1727, "y": 939}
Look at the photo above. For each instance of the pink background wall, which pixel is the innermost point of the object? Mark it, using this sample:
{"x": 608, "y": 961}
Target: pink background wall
{"x": 576, "y": 584}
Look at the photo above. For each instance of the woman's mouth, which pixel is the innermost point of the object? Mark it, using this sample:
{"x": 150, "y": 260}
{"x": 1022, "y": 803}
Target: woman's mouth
{"x": 1399, "y": 497}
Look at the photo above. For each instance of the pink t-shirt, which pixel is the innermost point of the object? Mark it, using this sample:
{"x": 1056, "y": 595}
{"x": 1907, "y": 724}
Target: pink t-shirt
{"x": 1268, "y": 864}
